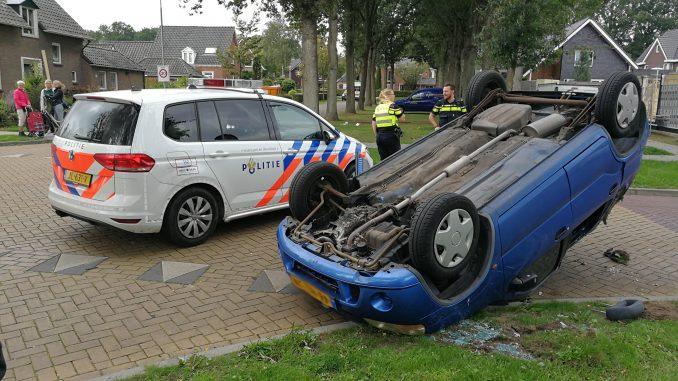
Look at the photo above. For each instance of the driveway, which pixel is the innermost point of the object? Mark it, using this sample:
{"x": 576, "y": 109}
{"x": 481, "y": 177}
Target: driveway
{"x": 78, "y": 301}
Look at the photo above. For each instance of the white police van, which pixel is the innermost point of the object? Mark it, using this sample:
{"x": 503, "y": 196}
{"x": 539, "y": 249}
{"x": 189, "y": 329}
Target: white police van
{"x": 178, "y": 161}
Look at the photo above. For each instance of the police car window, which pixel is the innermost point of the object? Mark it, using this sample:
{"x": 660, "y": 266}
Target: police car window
{"x": 180, "y": 123}
{"x": 295, "y": 123}
{"x": 210, "y": 130}
{"x": 242, "y": 119}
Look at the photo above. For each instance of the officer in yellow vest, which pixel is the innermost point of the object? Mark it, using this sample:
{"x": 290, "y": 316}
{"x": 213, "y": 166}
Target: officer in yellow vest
{"x": 447, "y": 109}
{"x": 385, "y": 124}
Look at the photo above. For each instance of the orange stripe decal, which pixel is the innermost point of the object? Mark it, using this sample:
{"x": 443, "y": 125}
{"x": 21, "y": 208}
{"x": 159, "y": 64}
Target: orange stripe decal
{"x": 270, "y": 193}
{"x": 286, "y": 197}
{"x": 347, "y": 159}
{"x": 101, "y": 180}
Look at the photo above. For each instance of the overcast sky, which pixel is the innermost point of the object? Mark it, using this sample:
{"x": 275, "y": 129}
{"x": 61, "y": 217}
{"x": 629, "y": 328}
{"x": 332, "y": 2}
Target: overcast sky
{"x": 145, "y": 13}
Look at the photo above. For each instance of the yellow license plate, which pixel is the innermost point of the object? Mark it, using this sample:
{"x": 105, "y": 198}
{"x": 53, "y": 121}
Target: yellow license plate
{"x": 78, "y": 178}
{"x": 313, "y": 291}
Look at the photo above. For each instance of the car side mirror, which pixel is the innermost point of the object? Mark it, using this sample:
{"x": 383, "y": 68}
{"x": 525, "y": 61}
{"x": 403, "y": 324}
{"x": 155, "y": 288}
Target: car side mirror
{"x": 327, "y": 137}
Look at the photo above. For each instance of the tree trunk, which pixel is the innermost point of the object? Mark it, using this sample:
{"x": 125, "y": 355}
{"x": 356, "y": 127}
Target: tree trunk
{"x": 510, "y": 73}
{"x": 384, "y": 79}
{"x": 309, "y": 49}
{"x": 393, "y": 77}
{"x": 350, "y": 60}
{"x": 332, "y": 76}
{"x": 517, "y": 79}
{"x": 369, "y": 93}
{"x": 363, "y": 79}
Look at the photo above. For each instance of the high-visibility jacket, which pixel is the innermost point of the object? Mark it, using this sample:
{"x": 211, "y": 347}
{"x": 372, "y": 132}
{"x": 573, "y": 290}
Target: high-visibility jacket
{"x": 386, "y": 115}
{"x": 448, "y": 111}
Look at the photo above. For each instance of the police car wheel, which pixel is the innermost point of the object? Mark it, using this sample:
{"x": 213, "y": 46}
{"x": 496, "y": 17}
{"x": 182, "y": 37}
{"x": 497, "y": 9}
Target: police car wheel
{"x": 350, "y": 170}
{"x": 191, "y": 217}
{"x": 307, "y": 187}
{"x": 480, "y": 85}
{"x": 618, "y": 107}
{"x": 444, "y": 237}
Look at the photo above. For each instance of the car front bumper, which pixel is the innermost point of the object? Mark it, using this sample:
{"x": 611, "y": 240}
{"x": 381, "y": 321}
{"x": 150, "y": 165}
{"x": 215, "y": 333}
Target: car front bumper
{"x": 393, "y": 297}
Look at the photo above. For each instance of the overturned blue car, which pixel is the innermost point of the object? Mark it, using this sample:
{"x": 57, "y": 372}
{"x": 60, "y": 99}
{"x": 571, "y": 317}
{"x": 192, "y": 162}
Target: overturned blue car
{"x": 481, "y": 211}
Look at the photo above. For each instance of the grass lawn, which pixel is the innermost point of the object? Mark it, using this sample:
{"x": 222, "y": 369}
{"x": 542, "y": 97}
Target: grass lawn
{"x": 9, "y": 128}
{"x": 16, "y": 138}
{"x": 414, "y": 127}
{"x": 566, "y": 341}
{"x": 657, "y": 174}
{"x": 664, "y": 138}
{"x": 655, "y": 151}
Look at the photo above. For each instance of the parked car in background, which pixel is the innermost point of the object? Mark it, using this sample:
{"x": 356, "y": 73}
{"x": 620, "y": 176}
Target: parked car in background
{"x": 181, "y": 160}
{"x": 356, "y": 95}
{"x": 421, "y": 100}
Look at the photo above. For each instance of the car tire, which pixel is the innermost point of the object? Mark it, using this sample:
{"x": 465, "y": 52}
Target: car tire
{"x": 3, "y": 364}
{"x": 349, "y": 171}
{"x": 628, "y": 309}
{"x": 191, "y": 217}
{"x": 481, "y": 84}
{"x": 618, "y": 105}
{"x": 305, "y": 190}
{"x": 442, "y": 257}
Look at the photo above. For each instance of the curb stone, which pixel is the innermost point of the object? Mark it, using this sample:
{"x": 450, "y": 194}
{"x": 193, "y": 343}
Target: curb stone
{"x": 653, "y": 192}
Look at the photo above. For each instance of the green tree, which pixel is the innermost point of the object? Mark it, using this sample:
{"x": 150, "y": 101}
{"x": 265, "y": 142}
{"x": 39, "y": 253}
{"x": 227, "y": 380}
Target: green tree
{"x": 247, "y": 46}
{"x": 582, "y": 68}
{"x": 279, "y": 45}
{"x": 410, "y": 73}
{"x": 120, "y": 31}
{"x": 634, "y": 24}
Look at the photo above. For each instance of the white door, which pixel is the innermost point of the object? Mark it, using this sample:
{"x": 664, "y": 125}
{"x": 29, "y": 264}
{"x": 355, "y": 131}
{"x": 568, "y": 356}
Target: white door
{"x": 301, "y": 142}
{"x": 241, "y": 151}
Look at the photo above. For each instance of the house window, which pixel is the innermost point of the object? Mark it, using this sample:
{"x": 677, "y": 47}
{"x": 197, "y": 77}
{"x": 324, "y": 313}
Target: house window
{"x": 112, "y": 80}
{"x": 656, "y": 48}
{"x": 210, "y": 50}
{"x": 188, "y": 55}
{"x": 667, "y": 66}
{"x": 74, "y": 77}
{"x": 56, "y": 53}
{"x": 582, "y": 57}
{"x": 208, "y": 74}
{"x": 30, "y": 66}
{"x": 31, "y": 17}
{"x": 101, "y": 79}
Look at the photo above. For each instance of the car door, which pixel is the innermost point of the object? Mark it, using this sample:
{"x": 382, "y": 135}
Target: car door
{"x": 301, "y": 142}
{"x": 535, "y": 225}
{"x": 594, "y": 177}
{"x": 417, "y": 102}
{"x": 241, "y": 150}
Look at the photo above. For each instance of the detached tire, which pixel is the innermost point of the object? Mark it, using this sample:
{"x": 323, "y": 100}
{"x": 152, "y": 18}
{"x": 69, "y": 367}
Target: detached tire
{"x": 480, "y": 85}
{"x": 307, "y": 187}
{"x": 191, "y": 217}
{"x": 618, "y": 105}
{"x": 628, "y": 309}
{"x": 444, "y": 237}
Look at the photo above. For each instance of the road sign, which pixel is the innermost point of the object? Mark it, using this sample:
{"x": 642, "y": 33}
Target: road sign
{"x": 163, "y": 73}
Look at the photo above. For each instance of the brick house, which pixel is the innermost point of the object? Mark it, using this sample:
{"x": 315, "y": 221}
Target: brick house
{"x": 31, "y": 28}
{"x": 662, "y": 54}
{"x": 40, "y": 32}
{"x": 190, "y": 51}
{"x": 585, "y": 38}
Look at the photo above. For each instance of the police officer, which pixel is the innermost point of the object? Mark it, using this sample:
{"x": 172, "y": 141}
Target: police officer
{"x": 447, "y": 108}
{"x": 385, "y": 124}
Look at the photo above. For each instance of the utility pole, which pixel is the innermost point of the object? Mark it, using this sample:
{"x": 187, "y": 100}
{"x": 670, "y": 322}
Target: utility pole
{"x": 162, "y": 44}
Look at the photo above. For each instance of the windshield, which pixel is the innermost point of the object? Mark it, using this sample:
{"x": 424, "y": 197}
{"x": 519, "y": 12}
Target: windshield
{"x": 100, "y": 122}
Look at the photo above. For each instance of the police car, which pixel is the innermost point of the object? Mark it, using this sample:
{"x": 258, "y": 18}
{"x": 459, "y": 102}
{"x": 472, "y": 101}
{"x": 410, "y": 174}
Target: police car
{"x": 177, "y": 161}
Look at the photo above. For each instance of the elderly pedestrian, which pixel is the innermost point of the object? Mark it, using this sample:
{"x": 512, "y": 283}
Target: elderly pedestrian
{"x": 58, "y": 101}
{"x": 22, "y": 104}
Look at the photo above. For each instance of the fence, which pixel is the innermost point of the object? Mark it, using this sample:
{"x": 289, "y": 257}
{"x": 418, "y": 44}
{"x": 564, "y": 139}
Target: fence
{"x": 667, "y": 108}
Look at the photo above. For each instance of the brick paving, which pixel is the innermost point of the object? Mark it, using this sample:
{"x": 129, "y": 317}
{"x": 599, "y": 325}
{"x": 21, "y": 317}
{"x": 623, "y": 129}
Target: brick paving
{"x": 106, "y": 320}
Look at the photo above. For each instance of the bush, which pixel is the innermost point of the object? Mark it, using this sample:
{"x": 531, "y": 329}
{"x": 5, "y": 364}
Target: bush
{"x": 34, "y": 84}
{"x": 268, "y": 82}
{"x": 246, "y": 75}
{"x": 287, "y": 85}
{"x": 7, "y": 115}
{"x": 292, "y": 92}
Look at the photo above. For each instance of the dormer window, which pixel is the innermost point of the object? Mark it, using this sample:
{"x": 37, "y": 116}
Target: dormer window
{"x": 29, "y": 15}
{"x": 188, "y": 55}
{"x": 210, "y": 50}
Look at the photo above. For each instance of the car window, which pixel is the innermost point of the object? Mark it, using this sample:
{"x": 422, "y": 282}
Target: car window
{"x": 180, "y": 123}
{"x": 295, "y": 123}
{"x": 417, "y": 96}
{"x": 242, "y": 119}
{"x": 100, "y": 122}
{"x": 210, "y": 130}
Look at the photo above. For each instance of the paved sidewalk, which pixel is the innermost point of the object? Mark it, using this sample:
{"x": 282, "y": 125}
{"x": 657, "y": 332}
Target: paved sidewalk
{"x": 78, "y": 301}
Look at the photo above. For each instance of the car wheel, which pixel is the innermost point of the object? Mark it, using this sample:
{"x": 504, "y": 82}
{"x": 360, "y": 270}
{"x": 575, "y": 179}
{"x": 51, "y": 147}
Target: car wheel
{"x": 444, "y": 237}
{"x": 349, "y": 171}
{"x": 618, "y": 104}
{"x": 481, "y": 84}
{"x": 627, "y": 309}
{"x": 307, "y": 186}
{"x": 191, "y": 217}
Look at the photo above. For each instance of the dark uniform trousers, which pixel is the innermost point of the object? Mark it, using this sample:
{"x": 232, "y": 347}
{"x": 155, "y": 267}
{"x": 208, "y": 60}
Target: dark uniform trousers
{"x": 388, "y": 143}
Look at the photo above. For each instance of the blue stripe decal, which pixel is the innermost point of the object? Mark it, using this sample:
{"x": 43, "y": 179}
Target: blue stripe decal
{"x": 58, "y": 165}
{"x": 72, "y": 190}
{"x": 328, "y": 150}
{"x": 311, "y": 151}
{"x": 288, "y": 158}
{"x": 358, "y": 159}
{"x": 69, "y": 186}
{"x": 344, "y": 150}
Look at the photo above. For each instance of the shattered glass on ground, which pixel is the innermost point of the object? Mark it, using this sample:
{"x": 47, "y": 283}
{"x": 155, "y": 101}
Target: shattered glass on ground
{"x": 481, "y": 336}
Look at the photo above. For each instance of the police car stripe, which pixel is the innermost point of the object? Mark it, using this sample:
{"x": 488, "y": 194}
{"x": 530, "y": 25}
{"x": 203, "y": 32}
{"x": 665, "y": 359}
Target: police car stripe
{"x": 311, "y": 151}
{"x": 328, "y": 150}
{"x": 288, "y": 159}
{"x": 344, "y": 150}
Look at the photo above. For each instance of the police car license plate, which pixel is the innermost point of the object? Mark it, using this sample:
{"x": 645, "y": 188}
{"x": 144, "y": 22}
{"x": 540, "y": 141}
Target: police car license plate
{"x": 84, "y": 179}
{"x": 313, "y": 291}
